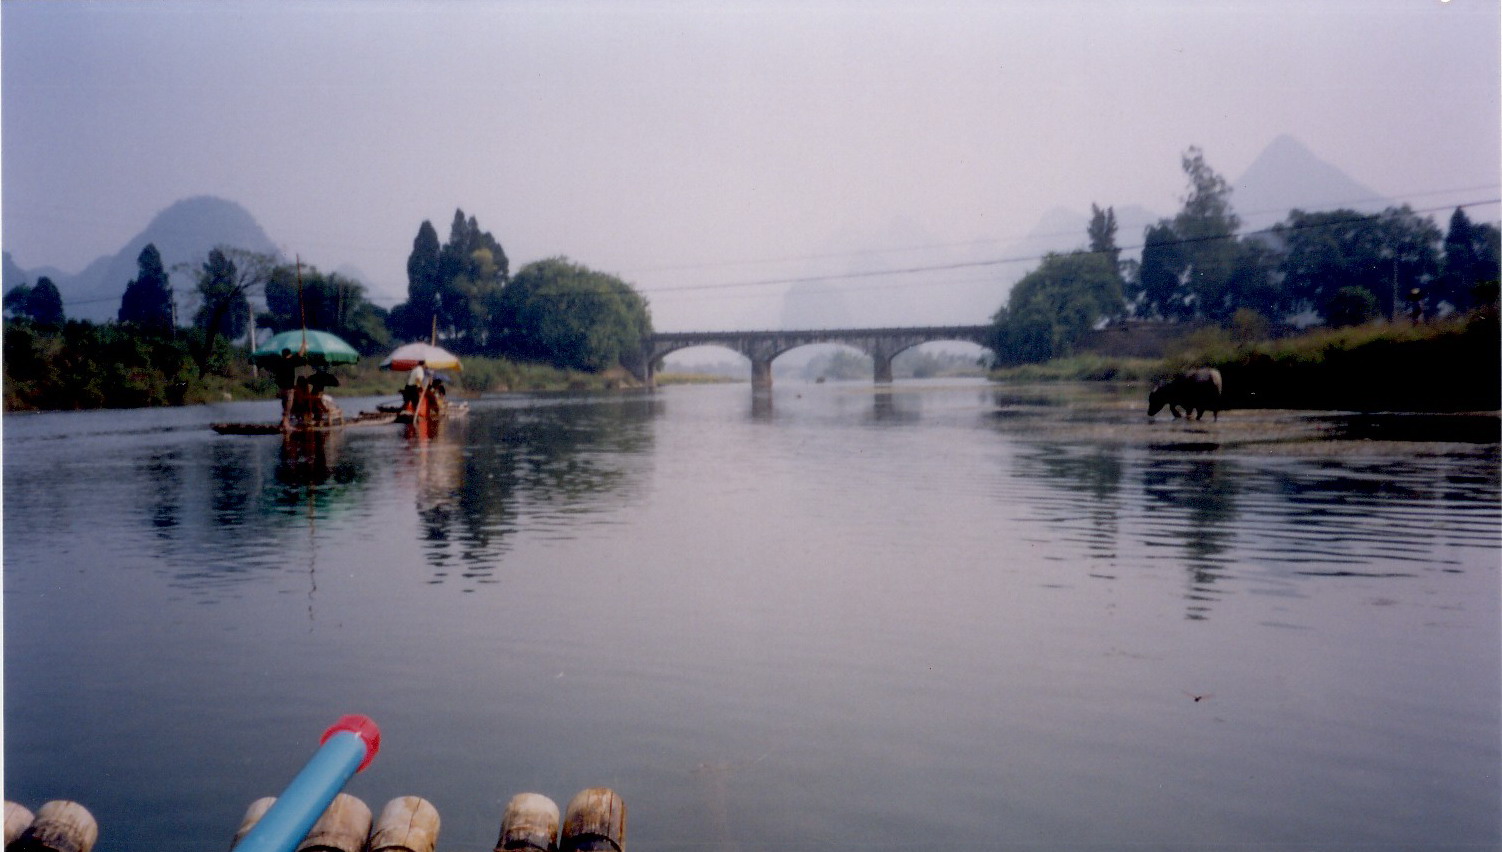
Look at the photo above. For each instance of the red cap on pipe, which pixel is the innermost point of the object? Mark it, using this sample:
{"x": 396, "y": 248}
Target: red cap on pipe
{"x": 363, "y": 727}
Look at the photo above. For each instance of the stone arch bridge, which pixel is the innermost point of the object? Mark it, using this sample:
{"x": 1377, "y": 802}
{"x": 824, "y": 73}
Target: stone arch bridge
{"x": 763, "y": 347}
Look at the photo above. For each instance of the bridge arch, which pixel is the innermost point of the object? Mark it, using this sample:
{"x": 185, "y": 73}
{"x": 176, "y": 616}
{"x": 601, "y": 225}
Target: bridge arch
{"x": 763, "y": 347}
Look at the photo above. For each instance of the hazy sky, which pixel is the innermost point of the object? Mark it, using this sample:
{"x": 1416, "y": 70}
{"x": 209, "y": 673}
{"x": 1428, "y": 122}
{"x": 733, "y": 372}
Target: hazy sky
{"x": 692, "y": 146}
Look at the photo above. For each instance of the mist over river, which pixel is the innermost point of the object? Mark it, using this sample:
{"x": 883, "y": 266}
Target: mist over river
{"x": 941, "y": 615}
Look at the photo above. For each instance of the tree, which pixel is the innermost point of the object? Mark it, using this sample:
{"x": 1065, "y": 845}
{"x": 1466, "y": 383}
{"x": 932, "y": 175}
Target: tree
{"x": 569, "y": 315}
{"x": 147, "y": 302}
{"x": 472, "y": 269}
{"x": 451, "y": 287}
{"x": 15, "y": 300}
{"x": 1351, "y": 306}
{"x": 1102, "y": 232}
{"x": 1053, "y": 306}
{"x": 224, "y": 308}
{"x": 1206, "y": 229}
{"x": 1156, "y": 292}
{"x": 226, "y": 280}
{"x": 44, "y": 304}
{"x": 1386, "y": 253}
{"x": 298, "y": 297}
{"x": 1469, "y": 272}
{"x": 413, "y": 319}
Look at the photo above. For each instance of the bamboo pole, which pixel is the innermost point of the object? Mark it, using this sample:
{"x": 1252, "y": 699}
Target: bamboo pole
{"x": 530, "y": 822}
{"x": 342, "y": 828}
{"x": 406, "y": 824}
{"x": 17, "y": 819}
{"x": 253, "y": 815}
{"x": 59, "y": 827}
{"x": 595, "y": 820}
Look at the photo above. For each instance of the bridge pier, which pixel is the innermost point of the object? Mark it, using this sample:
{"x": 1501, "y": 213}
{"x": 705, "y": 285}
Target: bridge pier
{"x": 761, "y": 373}
{"x": 883, "y": 364}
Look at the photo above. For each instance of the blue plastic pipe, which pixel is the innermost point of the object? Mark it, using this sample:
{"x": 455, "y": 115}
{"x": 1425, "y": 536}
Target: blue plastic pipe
{"x": 347, "y": 747}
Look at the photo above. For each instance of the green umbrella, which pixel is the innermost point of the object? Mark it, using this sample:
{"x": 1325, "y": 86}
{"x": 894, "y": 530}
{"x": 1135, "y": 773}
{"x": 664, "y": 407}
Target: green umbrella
{"x": 311, "y": 347}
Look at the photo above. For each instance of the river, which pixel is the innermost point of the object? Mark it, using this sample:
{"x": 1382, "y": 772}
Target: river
{"x": 944, "y": 615}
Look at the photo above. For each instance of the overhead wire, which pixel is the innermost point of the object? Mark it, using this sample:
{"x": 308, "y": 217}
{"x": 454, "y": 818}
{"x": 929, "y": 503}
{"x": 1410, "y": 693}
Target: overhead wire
{"x": 986, "y": 262}
{"x": 946, "y": 266}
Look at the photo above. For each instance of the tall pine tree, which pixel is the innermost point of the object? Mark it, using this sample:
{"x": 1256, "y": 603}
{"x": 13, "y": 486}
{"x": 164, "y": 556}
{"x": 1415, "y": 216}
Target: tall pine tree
{"x": 147, "y": 302}
{"x": 44, "y": 303}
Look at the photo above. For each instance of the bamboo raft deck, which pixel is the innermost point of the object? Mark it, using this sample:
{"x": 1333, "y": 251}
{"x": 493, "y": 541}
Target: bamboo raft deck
{"x": 364, "y": 418}
{"x": 595, "y": 821}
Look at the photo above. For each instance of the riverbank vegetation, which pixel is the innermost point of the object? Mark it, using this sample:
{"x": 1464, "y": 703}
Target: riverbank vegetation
{"x": 1325, "y": 309}
{"x": 1449, "y": 364}
{"x": 554, "y": 324}
{"x": 1336, "y": 268}
{"x": 79, "y": 365}
{"x": 1332, "y": 309}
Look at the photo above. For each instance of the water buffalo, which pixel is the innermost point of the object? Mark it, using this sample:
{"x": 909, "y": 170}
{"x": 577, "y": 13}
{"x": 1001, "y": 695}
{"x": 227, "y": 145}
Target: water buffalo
{"x": 1191, "y": 393}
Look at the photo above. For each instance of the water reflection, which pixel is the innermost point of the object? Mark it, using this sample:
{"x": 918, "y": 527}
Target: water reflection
{"x": 1229, "y": 522}
{"x": 1190, "y": 505}
{"x": 761, "y": 404}
{"x": 980, "y": 603}
{"x": 1090, "y": 484}
{"x": 546, "y": 467}
{"x": 889, "y": 407}
{"x": 165, "y": 487}
{"x": 314, "y": 473}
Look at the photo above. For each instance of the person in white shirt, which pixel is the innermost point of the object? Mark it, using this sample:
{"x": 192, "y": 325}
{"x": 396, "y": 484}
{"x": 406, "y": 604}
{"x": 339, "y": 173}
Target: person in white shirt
{"x": 413, "y": 391}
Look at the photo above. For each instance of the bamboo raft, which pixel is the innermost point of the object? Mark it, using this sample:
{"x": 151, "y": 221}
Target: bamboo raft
{"x": 595, "y": 821}
{"x": 364, "y": 418}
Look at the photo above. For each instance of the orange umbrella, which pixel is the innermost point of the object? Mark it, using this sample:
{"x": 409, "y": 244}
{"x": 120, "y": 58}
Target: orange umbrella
{"x": 436, "y": 358}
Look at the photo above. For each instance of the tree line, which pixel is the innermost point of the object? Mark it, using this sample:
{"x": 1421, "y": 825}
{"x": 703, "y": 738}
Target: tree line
{"x": 1338, "y": 267}
{"x": 460, "y": 293}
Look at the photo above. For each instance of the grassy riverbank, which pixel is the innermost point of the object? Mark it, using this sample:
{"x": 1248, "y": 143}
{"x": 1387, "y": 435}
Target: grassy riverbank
{"x": 86, "y": 366}
{"x": 1448, "y": 365}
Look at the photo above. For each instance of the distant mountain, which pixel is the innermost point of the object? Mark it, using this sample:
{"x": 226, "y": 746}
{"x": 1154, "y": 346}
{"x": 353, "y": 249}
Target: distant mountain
{"x": 1288, "y": 176}
{"x": 1062, "y": 230}
{"x": 1285, "y": 176}
{"x": 183, "y": 233}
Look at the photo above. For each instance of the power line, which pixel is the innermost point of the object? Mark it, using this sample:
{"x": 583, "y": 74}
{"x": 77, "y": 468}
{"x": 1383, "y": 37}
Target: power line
{"x": 930, "y": 268}
{"x": 974, "y": 264}
{"x": 991, "y": 241}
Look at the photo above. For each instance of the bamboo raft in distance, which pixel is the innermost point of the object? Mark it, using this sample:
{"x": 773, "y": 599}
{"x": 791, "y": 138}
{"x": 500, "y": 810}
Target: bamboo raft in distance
{"x": 364, "y": 418}
{"x": 595, "y": 821}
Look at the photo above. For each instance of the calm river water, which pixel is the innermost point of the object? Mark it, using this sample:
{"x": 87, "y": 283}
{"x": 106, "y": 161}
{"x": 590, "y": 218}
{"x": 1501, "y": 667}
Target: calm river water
{"x": 946, "y": 616}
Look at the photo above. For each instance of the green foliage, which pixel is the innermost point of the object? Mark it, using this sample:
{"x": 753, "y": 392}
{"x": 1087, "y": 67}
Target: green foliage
{"x": 1351, "y": 306}
{"x": 1469, "y": 273}
{"x": 1248, "y": 326}
{"x": 1053, "y": 306}
{"x": 15, "y": 300}
{"x": 1194, "y": 266}
{"x": 224, "y": 306}
{"x": 1156, "y": 291}
{"x": 1082, "y": 368}
{"x": 452, "y": 288}
{"x": 82, "y": 365}
{"x": 415, "y": 318}
{"x": 1450, "y": 365}
{"x": 1327, "y": 252}
{"x": 1102, "y": 233}
{"x": 571, "y": 316}
{"x": 305, "y": 297}
{"x": 42, "y": 304}
{"x": 147, "y": 302}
